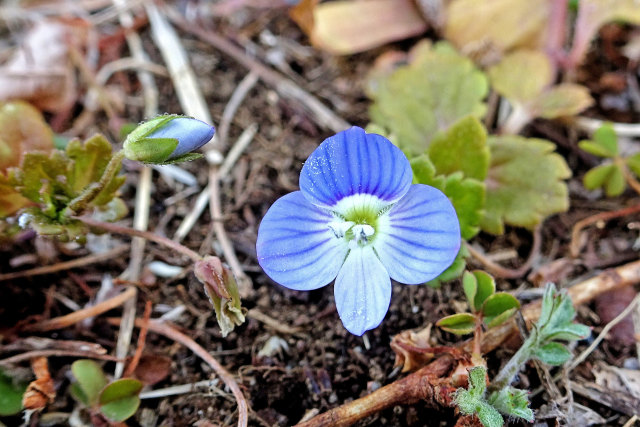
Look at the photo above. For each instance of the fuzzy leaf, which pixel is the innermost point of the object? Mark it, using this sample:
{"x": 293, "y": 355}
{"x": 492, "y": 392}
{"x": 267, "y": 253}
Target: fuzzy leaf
{"x": 522, "y": 76}
{"x": 462, "y": 148}
{"x": 553, "y": 354}
{"x": 119, "y": 400}
{"x": 604, "y": 142}
{"x": 90, "y": 380}
{"x": 496, "y": 26}
{"x": 512, "y": 402}
{"x": 524, "y": 183}
{"x": 472, "y": 401}
{"x": 10, "y": 395}
{"x": 459, "y": 324}
{"x": 466, "y": 194}
{"x": 570, "y": 332}
{"x": 566, "y": 99}
{"x": 437, "y": 89}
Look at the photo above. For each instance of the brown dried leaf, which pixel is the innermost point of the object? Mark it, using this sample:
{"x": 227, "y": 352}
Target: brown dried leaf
{"x": 611, "y": 304}
{"x": 496, "y": 25}
{"x": 411, "y": 348}
{"x": 40, "y": 70}
{"x": 153, "y": 368}
{"x": 346, "y": 27}
{"x": 41, "y": 391}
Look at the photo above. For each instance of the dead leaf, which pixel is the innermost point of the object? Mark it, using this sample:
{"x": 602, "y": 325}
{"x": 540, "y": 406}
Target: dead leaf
{"x": 41, "y": 391}
{"x": 608, "y": 306}
{"x": 410, "y": 348}
{"x": 496, "y": 25}
{"x": 40, "y": 70}
{"x": 347, "y": 27}
{"x": 616, "y": 379}
{"x": 152, "y": 368}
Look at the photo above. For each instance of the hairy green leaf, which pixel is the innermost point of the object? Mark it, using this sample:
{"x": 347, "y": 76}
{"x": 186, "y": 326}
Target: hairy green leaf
{"x": 512, "y": 402}
{"x": 553, "y": 354}
{"x": 459, "y": 324}
{"x": 437, "y": 89}
{"x": 472, "y": 401}
{"x": 524, "y": 184}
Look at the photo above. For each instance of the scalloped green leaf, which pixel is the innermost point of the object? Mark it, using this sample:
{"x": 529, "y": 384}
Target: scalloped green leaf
{"x": 459, "y": 324}
{"x": 466, "y": 194}
{"x": 462, "y": 148}
{"x": 90, "y": 380}
{"x": 120, "y": 399}
{"x": 553, "y": 354}
{"x": 434, "y": 91}
{"x": 522, "y": 75}
{"x": 11, "y": 393}
{"x": 525, "y": 183}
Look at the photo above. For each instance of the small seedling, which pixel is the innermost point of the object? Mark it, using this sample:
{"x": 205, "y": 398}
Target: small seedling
{"x": 115, "y": 401}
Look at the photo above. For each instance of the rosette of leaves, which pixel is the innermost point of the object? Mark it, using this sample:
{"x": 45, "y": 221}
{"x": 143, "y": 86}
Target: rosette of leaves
{"x": 487, "y": 306}
{"x": 116, "y": 400}
{"x": 615, "y": 172}
{"x": 81, "y": 179}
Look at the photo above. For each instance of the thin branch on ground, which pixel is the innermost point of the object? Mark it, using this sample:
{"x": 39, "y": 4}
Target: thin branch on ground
{"x": 56, "y": 353}
{"x": 67, "y": 265}
{"x": 77, "y": 316}
{"x": 575, "y": 246}
{"x": 172, "y": 333}
{"x": 147, "y": 235}
{"x": 142, "y": 338}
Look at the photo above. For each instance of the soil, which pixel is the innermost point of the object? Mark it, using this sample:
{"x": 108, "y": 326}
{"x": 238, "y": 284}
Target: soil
{"x": 322, "y": 365}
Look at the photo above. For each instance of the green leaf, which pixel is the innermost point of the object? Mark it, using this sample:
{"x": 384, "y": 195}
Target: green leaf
{"x": 512, "y": 402}
{"x": 633, "y": 163}
{"x": 119, "y": 400}
{"x": 90, "y": 379}
{"x": 486, "y": 288}
{"x": 598, "y": 176}
{"x": 459, "y": 324}
{"x": 462, "y": 148}
{"x": 522, "y": 75}
{"x": 524, "y": 183}
{"x": 553, "y": 354}
{"x": 437, "y": 89}
{"x": 604, "y": 142}
{"x": 472, "y": 401}
{"x": 454, "y": 271}
{"x": 498, "y": 303}
{"x": 498, "y": 320}
{"x": 570, "y": 332}
{"x": 615, "y": 184}
{"x": 470, "y": 287}
{"x": 10, "y": 395}
{"x": 466, "y": 194}
{"x": 566, "y": 99}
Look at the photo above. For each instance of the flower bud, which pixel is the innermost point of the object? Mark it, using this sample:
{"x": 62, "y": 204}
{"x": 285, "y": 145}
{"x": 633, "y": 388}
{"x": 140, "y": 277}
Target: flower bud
{"x": 167, "y": 139}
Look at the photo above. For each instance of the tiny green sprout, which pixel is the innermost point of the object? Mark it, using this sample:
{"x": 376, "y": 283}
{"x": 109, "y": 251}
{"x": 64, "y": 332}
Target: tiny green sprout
{"x": 615, "y": 173}
{"x": 116, "y": 400}
{"x": 472, "y": 401}
{"x": 487, "y": 306}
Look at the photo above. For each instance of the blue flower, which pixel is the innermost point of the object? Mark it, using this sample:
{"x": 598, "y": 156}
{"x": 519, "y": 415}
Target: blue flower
{"x": 167, "y": 139}
{"x": 358, "y": 219}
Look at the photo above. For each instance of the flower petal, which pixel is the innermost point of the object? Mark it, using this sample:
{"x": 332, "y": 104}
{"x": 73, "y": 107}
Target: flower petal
{"x": 296, "y": 247}
{"x": 362, "y": 291}
{"x": 355, "y": 162}
{"x": 191, "y": 134}
{"x": 419, "y": 237}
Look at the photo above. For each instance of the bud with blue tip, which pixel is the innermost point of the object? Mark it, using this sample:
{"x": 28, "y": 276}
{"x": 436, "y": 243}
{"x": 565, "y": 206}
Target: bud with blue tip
{"x": 167, "y": 139}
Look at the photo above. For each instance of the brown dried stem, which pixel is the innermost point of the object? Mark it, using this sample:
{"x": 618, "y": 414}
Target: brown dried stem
{"x": 142, "y": 338}
{"x": 420, "y": 386}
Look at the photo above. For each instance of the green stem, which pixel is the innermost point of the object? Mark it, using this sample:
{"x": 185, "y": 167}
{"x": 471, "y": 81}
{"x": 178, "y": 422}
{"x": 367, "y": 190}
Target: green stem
{"x": 80, "y": 203}
{"x": 510, "y": 370}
